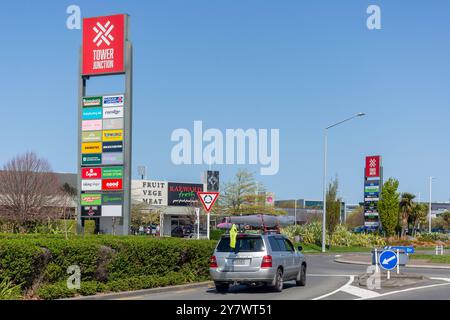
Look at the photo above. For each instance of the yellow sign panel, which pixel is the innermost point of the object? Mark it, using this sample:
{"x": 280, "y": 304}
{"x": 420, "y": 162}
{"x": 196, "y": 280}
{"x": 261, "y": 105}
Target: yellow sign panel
{"x": 91, "y": 147}
{"x": 112, "y": 135}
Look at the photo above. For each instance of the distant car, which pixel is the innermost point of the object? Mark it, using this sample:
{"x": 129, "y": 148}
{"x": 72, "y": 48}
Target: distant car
{"x": 182, "y": 231}
{"x": 268, "y": 259}
{"x": 361, "y": 229}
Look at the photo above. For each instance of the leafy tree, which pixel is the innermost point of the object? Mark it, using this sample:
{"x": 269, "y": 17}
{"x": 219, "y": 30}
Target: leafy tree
{"x": 333, "y": 207}
{"x": 69, "y": 195}
{"x": 406, "y": 209}
{"x": 244, "y": 195}
{"x": 388, "y": 206}
{"x": 356, "y": 218}
{"x": 418, "y": 215}
{"x": 142, "y": 214}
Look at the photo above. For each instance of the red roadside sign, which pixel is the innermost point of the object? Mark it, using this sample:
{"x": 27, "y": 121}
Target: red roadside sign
{"x": 373, "y": 165}
{"x": 103, "y": 45}
{"x": 208, "y": 199}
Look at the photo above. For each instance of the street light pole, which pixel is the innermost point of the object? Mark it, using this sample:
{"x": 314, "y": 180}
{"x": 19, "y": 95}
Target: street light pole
{"x": 295, "y": 212}
{"x": 324, "y": 216}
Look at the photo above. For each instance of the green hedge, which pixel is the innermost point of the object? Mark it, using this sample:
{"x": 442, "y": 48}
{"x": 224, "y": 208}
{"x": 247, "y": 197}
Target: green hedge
{"x": 107, "y": 263}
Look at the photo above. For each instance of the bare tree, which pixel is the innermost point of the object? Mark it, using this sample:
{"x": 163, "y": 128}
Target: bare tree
{"x": 29, "y": 191}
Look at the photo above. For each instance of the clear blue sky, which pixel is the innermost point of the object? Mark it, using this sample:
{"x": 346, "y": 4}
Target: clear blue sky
{"x": 294, "y": 65}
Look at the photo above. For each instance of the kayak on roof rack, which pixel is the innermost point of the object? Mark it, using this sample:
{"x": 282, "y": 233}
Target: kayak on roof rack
{"x": 257, "y": 220}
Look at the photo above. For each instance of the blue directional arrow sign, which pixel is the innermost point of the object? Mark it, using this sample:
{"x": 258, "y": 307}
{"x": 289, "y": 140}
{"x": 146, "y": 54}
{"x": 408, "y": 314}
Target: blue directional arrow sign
{"x": 388, "y": 260}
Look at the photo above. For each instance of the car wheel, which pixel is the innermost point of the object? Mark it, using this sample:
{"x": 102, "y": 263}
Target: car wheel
{"x": 301, "y": 277}
{"x": 222, "y": 287}
{"x": 278, "y": 281}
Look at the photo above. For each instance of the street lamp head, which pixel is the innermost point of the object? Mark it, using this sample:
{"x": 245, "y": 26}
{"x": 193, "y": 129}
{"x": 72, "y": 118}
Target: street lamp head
{"x": 361, "y": 114}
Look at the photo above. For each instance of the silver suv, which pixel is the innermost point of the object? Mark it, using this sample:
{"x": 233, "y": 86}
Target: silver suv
{"x": 268, "y": 259}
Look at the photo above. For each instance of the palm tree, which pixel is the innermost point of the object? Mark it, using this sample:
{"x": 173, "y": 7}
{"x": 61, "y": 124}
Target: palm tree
{"x": 418, "y": 215}
{"x": 406, "y": 209}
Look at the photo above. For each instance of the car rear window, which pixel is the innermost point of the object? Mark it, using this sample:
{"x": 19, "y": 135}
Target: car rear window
{"x": 243, "y": 244}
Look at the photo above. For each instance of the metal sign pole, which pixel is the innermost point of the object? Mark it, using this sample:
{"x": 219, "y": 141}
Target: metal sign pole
{"x": 127, "y": 135}
{"x": 81, "y": 94}
{"x": 377, "y": 270}
{"x": 398, "y": 263}
{"x": 208, "y": 224}
{"x": 197, "y": 211}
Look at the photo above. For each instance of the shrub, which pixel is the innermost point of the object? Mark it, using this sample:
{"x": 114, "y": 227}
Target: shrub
{"x": 312, "y": 234}
{"x": 216, "y": 234}
{"x": 434, "y": 236}
{"x": 9, "y": 291}
{"x": 107, "y": 263}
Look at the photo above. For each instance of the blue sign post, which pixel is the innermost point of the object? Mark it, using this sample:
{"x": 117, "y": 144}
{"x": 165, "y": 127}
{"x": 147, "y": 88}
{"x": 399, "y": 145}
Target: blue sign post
{"x": 388, "y": 260}
{"x": 407, "y": 250}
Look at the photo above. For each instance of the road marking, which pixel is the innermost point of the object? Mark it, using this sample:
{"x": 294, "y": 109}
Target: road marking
{"x": 441, "y": 279}
{"x": 352, "y": 278}
{"x": 332, "y": 275}
{"x": 408, "y": 290}
{"x": 360, "y": 292}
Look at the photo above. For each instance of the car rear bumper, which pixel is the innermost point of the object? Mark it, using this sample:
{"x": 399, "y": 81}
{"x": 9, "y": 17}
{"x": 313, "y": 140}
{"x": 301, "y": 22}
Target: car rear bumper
{"x": 263, "y": 275}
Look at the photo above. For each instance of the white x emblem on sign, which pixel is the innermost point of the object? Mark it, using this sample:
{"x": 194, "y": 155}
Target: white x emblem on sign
{"x": 373, "y": 163}
{"x": 103, "y": 33}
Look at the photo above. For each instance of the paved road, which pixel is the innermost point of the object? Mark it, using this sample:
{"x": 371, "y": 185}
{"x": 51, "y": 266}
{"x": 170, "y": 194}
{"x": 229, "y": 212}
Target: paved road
{"x": 326, "y": 280}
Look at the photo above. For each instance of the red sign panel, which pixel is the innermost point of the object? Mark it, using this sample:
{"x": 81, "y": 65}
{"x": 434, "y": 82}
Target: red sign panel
{"x": 103, "y": 45}
{"x": 373, "y": 165}
{"x": 112, "y": 184}
{"x": 91, "y": 173}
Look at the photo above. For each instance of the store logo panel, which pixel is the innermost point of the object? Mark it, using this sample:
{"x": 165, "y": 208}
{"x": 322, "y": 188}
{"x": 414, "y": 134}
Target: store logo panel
{"x": 92, "y": 113}
{"x": 112, "y": 124}
{"x": 111, "y": 184}
{"x": 112, "y": 135}
{"x": 91, "y": 125}
{"x": 91, "y": 159}
{"x": 113, "y": 101}
{"x": 91, "y": 173}
{"x": 91, "y": 136}
{"x": 91, "y": 185}
{"x": 113, "y": 112}
{"x": 115, "y": 146}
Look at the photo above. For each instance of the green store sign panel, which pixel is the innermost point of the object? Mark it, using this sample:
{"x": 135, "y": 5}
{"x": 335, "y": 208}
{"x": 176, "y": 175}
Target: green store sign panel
{"x": 112, "y": 173}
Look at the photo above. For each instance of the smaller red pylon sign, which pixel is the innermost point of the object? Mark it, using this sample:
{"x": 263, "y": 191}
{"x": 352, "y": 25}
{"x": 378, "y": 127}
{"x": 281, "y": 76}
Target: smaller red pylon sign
{"x": 208, "y": 199}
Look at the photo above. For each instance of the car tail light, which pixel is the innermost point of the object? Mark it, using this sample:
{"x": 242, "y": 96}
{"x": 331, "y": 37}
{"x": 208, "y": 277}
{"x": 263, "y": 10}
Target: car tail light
{"x": 266, "y": 262}
{"x": 213, "y": 262}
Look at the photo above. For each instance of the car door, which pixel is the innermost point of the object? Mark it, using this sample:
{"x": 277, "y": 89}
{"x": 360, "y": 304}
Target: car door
{"x": 284, "y": 257}
{"x": 277, "y": 252}
{"x": 289, "y": 258}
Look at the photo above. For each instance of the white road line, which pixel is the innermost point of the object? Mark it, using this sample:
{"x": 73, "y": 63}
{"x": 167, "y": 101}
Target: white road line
{"x": 332, "y": 275}
{"x": 441, "y": 279}
{"x": 360, "y": 292}
{"x": 408, "y": 290}
{"x": 352, "y": 278}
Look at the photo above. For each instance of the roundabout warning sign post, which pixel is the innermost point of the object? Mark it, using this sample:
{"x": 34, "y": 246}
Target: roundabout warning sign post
{"x": 104, "y": 126}
{"x": 208, "y": 199}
